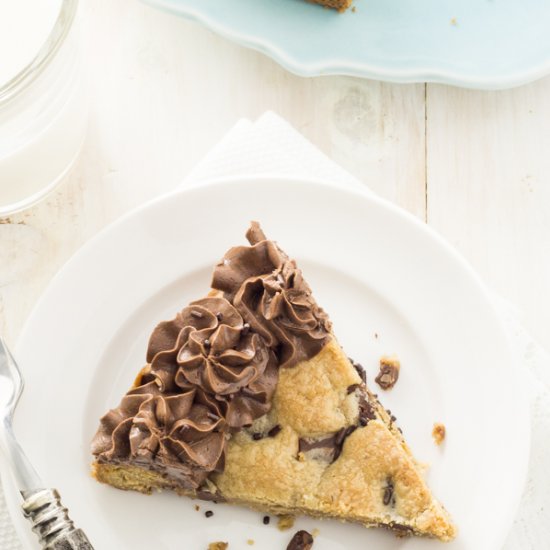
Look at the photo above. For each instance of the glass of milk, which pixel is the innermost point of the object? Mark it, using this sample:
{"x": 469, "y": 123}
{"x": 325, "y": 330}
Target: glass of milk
{"x": 43, "y": 108}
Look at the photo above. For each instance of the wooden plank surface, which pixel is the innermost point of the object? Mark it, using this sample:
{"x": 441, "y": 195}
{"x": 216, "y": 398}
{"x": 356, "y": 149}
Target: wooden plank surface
{"x": 489, "y": 189}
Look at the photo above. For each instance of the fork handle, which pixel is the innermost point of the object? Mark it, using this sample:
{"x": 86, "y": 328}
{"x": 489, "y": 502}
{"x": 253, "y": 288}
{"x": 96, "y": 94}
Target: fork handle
{"x": 50, "y": 521}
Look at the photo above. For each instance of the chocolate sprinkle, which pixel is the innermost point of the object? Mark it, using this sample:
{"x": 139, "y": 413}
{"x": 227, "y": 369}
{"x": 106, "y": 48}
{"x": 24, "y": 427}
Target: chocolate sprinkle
{"x": 302, "y": 540}
{"x": 274, "y": 431}
{"x": 257, "y": 436}
{"x": 208, "y": 513}
{"x": 266, "y": 520}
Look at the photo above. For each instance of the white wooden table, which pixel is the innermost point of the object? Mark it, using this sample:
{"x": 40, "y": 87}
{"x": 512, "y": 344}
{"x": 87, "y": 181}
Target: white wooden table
{"x": 163, "y": 91}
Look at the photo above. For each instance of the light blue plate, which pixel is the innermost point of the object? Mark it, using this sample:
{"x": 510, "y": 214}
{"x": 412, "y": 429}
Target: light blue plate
{"x": 472, "y": 43}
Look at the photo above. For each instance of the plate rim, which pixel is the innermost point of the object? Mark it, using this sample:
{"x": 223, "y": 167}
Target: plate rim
{"x": 427, "y": 74}
{"x": 366, "y": 194}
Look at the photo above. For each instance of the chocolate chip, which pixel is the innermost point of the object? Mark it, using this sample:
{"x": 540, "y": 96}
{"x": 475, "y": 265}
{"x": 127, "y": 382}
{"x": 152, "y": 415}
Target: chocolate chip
{"x": 389, "y": 373}
{"x": 274, "y": 431}
{"x": 206, "y": 343}
{"x": 366, "y": 411}
{"x": 302, "y": 540}
{"x": 219, "y": 316}
{"x": 245, "y": 330}
{"x": 257, "y": 436}
{"x": 352, "y": 388}
{"x": 360, "y": 370}
{"x": 266, "y": 520}
{"x": 197, "y": 314}
{"x": 208, "y": 513}
{"x": 388, "y": 493}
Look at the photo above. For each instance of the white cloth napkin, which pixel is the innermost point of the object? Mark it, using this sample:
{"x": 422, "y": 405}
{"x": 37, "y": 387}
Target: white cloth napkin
{"x": 271, "y": 146}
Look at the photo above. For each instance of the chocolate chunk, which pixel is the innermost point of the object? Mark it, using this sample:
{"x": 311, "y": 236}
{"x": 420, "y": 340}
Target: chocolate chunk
{"x": 306, "y": 444}
{"x": 204, "y": 494}
{"x": 366, "y": 411}
{"x": 266, "y": 520}
{"x": 257, "y": 436}
{"x": 388, "y": 494}
{"x": 389, "y": 373}
{"x": 352, "y": 388}
{"x": 208, "y": 513}
{"x": 360, "y": 370}
{"x": 302, "y": 540}
{"x": 340, "y": 436}
{"x": 274, "y": 431}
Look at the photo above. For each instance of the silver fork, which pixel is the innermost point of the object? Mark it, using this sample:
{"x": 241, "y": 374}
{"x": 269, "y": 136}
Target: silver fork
{"x": 49, "y": 518}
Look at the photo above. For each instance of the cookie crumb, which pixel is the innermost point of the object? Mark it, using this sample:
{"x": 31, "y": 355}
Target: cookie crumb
{"x": 250, "y": 542}
{"x": 315, "y": 533}
{"x": 285, "y": 522}
{"x": 218, "y": 546}
{"x": 389, "y": 372}
{"x": 301, "y": 540}
{"x": 438, "y": 433}
{"x": 353, "y": 9}
{"x": 197, "y": 507}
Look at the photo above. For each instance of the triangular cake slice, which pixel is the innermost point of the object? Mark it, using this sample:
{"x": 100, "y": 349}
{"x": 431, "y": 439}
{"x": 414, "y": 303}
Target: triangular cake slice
{"x": 248, "y": 398}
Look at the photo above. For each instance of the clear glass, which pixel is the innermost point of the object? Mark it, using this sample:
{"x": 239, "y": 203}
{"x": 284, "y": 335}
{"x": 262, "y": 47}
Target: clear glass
{"x": 43, "y": 117}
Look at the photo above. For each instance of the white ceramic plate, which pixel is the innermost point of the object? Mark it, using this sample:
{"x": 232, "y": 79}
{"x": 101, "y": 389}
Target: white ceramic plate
{"x": 374, "y": 268}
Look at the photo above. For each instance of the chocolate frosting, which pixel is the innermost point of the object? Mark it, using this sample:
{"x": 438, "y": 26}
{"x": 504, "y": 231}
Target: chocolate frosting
{"x": 213, "y": 369}
{"x": 209, "y": 375}
{"x": 269, "y": 291}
